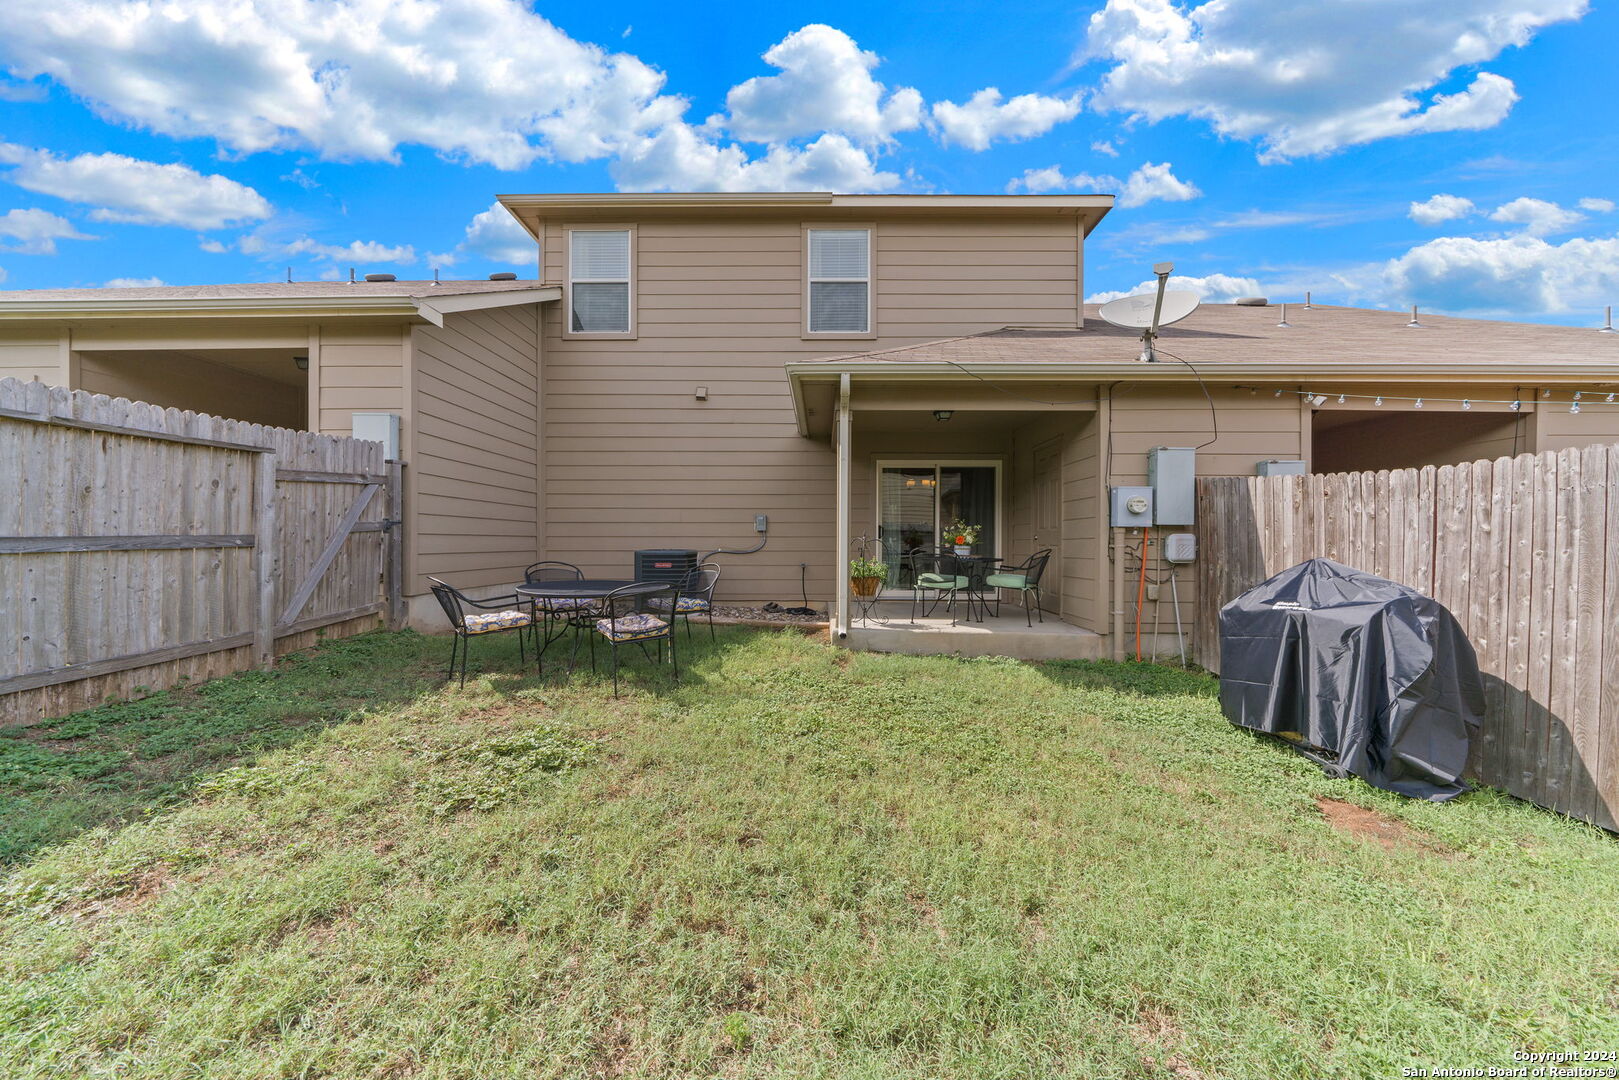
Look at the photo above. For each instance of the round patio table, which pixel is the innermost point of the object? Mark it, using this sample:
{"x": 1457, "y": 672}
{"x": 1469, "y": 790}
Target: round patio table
{"x": 537, "y": 592}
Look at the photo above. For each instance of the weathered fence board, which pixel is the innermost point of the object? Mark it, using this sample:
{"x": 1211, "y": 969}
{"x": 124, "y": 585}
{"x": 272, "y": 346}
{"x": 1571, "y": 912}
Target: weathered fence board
{"x": 1524, "y": 552}
{"x": 140, "y": 546}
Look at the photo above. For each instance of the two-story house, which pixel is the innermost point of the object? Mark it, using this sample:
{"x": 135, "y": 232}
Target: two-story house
{"x": 845, "y": 366}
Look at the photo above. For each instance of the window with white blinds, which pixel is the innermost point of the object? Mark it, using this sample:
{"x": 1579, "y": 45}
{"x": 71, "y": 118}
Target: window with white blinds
{"x": 599, "y": 280}
{"x": 839, "y": 281}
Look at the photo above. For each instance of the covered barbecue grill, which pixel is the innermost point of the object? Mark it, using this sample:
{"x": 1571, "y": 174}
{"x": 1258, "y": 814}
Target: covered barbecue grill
{"x": 1366, "y": 676}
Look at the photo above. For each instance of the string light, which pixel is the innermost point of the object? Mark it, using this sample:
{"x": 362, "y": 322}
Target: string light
{"x": 1574, "y": 406}
{"x": 1379, "y": 400}
{"x": 1580, "y": 397}
{"x": 1418, "y": 405}
{"x": 1515, "y": 406}
{"x": 1341, "y": 398}
{"x": 1466, "y": 404}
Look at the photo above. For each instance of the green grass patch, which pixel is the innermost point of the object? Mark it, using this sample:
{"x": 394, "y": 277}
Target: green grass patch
{"x": 794, "y": 862}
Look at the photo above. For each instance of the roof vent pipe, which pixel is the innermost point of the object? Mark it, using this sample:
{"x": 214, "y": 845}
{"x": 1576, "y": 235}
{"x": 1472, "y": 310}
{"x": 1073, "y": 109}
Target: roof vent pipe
{"x": 504, "y": 275}
{"x": 1607, "y": 324}
{"x": 380, "y": 277}
{"x": 1413, "y": 321}
{"x": 351, "y": 275}
{"x": 1306, "y": 300}
{"x": 1284, "y": 323}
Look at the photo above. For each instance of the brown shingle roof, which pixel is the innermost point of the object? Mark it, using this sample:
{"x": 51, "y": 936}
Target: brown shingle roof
{"x": 278, "y": 290}
{"x": 1217, "y": 333}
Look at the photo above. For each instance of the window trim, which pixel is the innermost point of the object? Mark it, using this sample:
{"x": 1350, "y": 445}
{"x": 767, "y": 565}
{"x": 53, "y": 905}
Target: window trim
{"x": 870, "y": 333}
{"x": 568, "y": 332}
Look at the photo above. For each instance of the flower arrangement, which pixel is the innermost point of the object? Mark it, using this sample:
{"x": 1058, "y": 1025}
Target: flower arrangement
{"x": 962, "y": 534}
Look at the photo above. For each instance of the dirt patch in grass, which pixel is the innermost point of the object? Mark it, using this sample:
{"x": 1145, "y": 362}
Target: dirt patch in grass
{"x": 143, "y": 888}
{"x": 1155, "y": 1030}
{"x": 1391, "y": 833}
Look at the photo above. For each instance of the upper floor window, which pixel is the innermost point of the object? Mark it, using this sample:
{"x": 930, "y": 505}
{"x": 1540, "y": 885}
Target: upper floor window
{"x": 839, "y": 281}
{"x": 599, "y": 281}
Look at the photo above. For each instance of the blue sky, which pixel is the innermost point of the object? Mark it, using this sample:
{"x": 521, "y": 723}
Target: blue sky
{"x": 1458, "y": 155}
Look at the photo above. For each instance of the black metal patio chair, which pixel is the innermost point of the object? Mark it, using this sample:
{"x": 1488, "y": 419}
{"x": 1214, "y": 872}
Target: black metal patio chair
{"x": 623, "y": 622}
{"x": 493, "y": 616}
{"x": 696, "y": 597}
{"x": 936, "y": 576}
{"x": 1024, "y": 579}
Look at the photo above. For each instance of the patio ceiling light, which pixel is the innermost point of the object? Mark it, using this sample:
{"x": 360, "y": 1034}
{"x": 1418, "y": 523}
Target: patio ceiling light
{"x": 943, "y": 414}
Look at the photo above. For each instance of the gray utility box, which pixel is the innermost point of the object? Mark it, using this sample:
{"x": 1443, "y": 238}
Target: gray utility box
{"x": 1172, "y": 472}
{"x": 1130, "y": 507}
{"x": 1276, "y": 467}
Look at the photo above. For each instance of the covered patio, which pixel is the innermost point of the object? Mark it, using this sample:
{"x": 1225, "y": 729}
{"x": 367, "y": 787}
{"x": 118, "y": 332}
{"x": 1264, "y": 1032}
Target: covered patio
{"x": 916, "y": 452}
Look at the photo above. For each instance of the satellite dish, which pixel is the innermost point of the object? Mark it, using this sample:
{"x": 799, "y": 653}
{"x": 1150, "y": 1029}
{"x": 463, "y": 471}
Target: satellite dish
{"x": 1136, "y": 312}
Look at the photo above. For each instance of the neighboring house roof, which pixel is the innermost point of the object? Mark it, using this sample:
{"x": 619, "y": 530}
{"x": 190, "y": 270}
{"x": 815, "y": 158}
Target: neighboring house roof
{"x": 426, "y": 299}
{"x": 596, "y": 206}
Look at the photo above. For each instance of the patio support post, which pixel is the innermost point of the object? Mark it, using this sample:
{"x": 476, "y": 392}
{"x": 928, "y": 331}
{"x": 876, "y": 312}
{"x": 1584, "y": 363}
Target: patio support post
{"x": 840, "y": 576}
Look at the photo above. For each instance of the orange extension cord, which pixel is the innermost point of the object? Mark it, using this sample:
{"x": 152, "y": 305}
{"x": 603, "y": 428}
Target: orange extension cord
{"x": 1141, "y": 588}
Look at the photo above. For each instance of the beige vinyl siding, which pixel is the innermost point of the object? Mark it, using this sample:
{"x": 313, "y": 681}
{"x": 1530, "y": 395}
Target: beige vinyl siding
{"x": 632, "y": 460}
{"x": 29, "y": 353}
{"x": 1558, "y": 429}
{"x": 184, "y": 382}
{"x": 475, "y": 452}
{"x": 360, "y": 369}
{"x": 1403, "y": 440}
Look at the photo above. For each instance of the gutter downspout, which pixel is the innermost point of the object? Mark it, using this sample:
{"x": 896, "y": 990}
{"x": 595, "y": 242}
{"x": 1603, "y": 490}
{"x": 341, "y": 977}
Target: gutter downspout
{"x": 841, "y": 436}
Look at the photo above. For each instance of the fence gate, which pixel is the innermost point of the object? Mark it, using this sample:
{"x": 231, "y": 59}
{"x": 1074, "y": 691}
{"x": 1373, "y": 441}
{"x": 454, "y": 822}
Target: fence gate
{"x": 141, "y": 547}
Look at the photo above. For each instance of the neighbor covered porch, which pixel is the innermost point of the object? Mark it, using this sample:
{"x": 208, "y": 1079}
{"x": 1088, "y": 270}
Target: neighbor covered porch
{"x": 915, "y": 455}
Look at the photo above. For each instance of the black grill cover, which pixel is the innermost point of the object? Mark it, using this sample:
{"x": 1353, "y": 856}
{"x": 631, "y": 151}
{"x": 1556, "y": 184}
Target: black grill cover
{"x": 1357, "y": 668}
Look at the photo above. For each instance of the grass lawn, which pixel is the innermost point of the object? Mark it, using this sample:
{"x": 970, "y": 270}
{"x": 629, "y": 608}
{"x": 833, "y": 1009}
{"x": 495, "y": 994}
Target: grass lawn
{"x": 798, "y": 862}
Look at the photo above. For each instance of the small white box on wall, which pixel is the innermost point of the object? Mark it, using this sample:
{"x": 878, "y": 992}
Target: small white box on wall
{"x": 382, "y": 427}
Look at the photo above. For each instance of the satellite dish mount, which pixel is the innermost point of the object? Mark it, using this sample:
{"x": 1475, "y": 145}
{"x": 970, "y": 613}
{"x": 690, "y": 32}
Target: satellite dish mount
{"x": 1148, "y": 312}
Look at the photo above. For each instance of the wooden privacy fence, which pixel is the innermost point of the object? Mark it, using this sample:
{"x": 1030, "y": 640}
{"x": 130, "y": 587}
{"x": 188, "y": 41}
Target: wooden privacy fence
{"x": 1523, "y": 551}
{"x": 142, "y": 546}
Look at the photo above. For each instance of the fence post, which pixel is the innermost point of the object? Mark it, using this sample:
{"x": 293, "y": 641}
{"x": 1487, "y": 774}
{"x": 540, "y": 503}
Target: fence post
{"x": 394, "y": 575}
{"x": 264, "y": 545}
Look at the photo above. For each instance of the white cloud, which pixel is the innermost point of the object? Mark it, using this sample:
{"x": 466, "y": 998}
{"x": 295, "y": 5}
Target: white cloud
{"x": 2, "y": 274}
{"x": 35, "y": 232}
{"x": 1537, "y": 216}
{"x": 267, "y": 246}
{"x": 985, "y": 117}
{"x": 1052, "y": 178}
{"x": 495, "y": 235}
{"x": 1439, "y": 209}
{"x": 1155, "y": 183}
{"x": 213, "y": 247}
{"x": 1105, "y": 147}
{"x": 1597, "y": 206}
{"x": 1305, "y": 79}
{"x": 1213, "y": 289}
{"x": 678, "y": 158}
{"x": 134, "y": 283}
{"x": 127, "y": 189}
{"x": 487, "y": 81}
{"x": 825, "y": 85}
{"x": 1505, "y": 276}
{"x": 10, "y": 91}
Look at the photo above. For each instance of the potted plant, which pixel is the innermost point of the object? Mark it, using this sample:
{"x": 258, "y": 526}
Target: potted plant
{"x": 866, "y": 576}
{"x": 962, "y": 536}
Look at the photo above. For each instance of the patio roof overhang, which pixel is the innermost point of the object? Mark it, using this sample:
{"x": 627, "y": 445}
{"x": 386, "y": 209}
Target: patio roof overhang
{"x": 415, "y": 308}
{"x": 926, "y": 385}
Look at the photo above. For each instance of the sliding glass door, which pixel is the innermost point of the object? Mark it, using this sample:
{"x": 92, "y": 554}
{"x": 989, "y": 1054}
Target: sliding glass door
{"x": 918, "y": 500}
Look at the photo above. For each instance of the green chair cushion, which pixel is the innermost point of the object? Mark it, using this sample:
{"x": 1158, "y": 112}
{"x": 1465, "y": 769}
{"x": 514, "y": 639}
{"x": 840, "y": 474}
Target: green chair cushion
{"x": 1005, "y": 581}
{"x": 941, "y": 581}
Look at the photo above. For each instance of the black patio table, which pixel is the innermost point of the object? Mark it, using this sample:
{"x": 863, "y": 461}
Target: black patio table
{"x": 536, "y": 592}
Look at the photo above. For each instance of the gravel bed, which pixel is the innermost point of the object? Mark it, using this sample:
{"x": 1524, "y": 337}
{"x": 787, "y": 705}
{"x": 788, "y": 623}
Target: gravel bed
{"x": 759, "y": 614}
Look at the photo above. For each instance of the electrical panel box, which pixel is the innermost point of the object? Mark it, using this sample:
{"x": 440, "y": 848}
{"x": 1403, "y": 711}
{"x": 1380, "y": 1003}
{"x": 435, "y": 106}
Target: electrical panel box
{"x": 761, "y": 522}
{"x": 1180, "y": 548}
{"x": 1275, "y": 467}
{"x": 382, "y": 427}
{"x": 1172, "y": 472}
{"x": 1131, "y": 507}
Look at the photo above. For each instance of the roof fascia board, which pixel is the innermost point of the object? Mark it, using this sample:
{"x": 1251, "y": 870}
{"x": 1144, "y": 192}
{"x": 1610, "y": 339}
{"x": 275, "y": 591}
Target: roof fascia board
{"x": 434, "y": 308}
{"x": 1290, "y": 372}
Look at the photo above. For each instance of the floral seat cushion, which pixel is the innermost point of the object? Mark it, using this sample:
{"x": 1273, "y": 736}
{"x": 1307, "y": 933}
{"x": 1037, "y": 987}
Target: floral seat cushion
{"x": 485, "y": 622}
{"x": 686, "y": 605}
{"x": 632, "y": 627}
{"x": 567, "y": 603}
